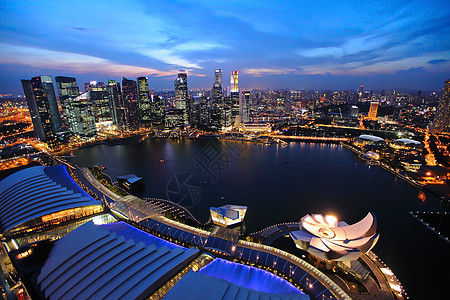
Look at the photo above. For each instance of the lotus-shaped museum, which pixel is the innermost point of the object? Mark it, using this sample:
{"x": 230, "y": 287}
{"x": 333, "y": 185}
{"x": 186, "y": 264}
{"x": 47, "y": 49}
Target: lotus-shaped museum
{"x": 326, "y": 238}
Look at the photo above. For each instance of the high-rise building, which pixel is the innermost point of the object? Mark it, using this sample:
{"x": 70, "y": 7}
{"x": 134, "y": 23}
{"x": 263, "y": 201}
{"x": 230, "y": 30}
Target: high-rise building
{"x": 353, "y": 111}
{"x": 244, "y": 106}
{"x": 361, "y": 93}
{"x": 41, "y": 100}
{"x": 218, "y": 76}
{"x": 144, "y": 101}
{"x": 116, "y": 103}
{"x": 157, "y": 105}
{"x": 81, "y": 115}
{"x": 234, "y": 84}
{"x": 100, "y": 101}
{"x": 204, "y": 110}
{"x": 217, "y": 91}
{"x": 373, "y": 110}
{"x": 131, "y": 104}
{"x": 442, "y": 118}
{"x": 67, "y": 90}
{"x": 181, "y": 94}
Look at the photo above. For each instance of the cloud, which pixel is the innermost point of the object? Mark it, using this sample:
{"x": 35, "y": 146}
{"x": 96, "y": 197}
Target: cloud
{"x": 415, "y": 70}
{"x": 437, "y": 61}
{"x": 79, "y": 28}
{"x": 169, "y": 57}
{"x": 258, "y": 72}
{"x": 70, "y": 62}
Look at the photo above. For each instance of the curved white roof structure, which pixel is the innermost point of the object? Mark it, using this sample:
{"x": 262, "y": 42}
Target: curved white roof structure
{"x": 39, "y": 191}
{"x": 407, "y": 141}
{"x": 371, "y": 138}
{"x": 326, "y": 238}
{"x": 101, "y": 262}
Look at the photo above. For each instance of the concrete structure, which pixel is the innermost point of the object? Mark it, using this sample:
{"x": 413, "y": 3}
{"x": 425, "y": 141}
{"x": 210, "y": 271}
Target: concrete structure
{"x": 42, "y": 196}
{"x": 328, "y": 239}
{"x": 130, "y": 182}
{"x": 227, "y": 215}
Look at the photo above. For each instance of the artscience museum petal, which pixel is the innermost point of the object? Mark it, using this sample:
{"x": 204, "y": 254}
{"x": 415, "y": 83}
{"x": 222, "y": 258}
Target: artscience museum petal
{"x": 326, "y": 238}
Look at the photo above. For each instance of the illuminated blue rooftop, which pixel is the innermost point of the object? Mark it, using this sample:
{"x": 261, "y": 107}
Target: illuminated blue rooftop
{"x": 222, "y": 279}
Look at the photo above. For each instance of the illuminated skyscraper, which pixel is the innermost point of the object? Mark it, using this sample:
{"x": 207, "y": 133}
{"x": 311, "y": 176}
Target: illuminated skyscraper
{"x": 81, "y": 115}
{"x": 442, "y": 118}
{"x": 244, "y": 106}
{"x": 131, "y": 104}
{"x": 373, "y": 110}
{"x": 41, "y": 100}
{"x": 116, "y": 103}
{"x": 361, "y": 93}
{"x": 100, "y": 101}
{"x": 218, "y": 76}
{"x": 157, "y": 105}
{"x": 67, "y": 90}
{"x": 234, "y": 84}
{"x": 217, "y": 92}
{"x": 181, "y": 94}
{"x": 144, "y": 101}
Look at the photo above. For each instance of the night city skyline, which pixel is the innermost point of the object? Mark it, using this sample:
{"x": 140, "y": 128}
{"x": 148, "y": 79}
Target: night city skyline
{"x": 195, "y": 149}
{"x": 325, "y": 46}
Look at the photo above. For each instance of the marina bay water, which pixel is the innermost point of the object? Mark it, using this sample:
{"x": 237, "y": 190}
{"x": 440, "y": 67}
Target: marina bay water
{"x": 282, "y": 184}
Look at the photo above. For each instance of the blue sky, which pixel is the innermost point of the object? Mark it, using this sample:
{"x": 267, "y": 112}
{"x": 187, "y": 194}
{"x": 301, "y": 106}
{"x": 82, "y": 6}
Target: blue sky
{"x": 273, "y": 44}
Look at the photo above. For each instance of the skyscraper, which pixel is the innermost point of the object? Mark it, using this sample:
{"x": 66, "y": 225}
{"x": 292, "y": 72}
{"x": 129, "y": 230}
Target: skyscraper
{"x": 244, "y": 106}
{"x": 116, "y": 104}
{"x": 67, "y": 90}
{"x": 217, "y": 92}
{"x": 100, "y": 101}
{"x": 218, "y": 76}
{"x": 144, "y": 101}
{"x": 442, "y": 118}
{"x": 234, "y": 84}
{"x": 181, "y": 94}
{"x": 131, "y": 104}
{"x": 157, "y": 105}
{"x": 234, "y": 96}
{"x": 81, "y": 115}
{"x": 373, "y": 110}
{"x": 41, "y": 100}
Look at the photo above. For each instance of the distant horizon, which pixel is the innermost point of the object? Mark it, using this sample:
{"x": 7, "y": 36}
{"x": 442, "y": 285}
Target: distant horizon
{"x": 324, "y": 45}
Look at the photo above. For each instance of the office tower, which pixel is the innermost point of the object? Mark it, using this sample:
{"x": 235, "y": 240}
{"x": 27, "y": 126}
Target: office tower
{"x": 244, "y": 106}
{"x": 144, "y": 101}
{"x": 67, "y": 90}
{"x": 131, "y": 104}
{"x": 217, "y": 91}
{"x": 373, "y": 110}
{"x": 353, "y": 111}
{"x": 204, "y": 110}
{"x": 41, "y": 100}
{"x": 218, "y": 76}
{"x": 81, "y": 115}
{"x": 181, "y": 94}
{"x": 116, "y": 103}
{"x": 157, "y": 105}
{"x": 216, "y": 120}
{"x": 227, "y": 108}
{"x": 442, "y": 118}
{"x": 234, "y": 84}
{"x": 100, "y": 101}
